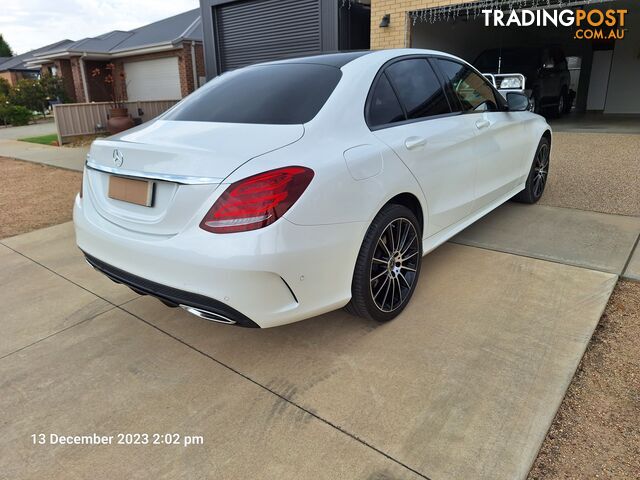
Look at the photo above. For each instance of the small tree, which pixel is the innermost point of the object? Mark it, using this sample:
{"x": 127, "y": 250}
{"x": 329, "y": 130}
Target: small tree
{"x": 53, "y": 88}
{"x": 5, "y": 49}
{"x": 29, "y": 94}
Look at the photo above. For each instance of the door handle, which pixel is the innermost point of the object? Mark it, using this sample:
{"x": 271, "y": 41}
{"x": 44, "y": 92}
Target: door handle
{"x": 413, "y": 143}
{"x": 480, "y": 124}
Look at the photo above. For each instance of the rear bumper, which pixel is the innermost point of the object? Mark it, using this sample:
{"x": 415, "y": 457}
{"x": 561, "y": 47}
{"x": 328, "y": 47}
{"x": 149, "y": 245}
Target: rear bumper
{"x": 217, "y": 311}
{"x": 276, "y": 275}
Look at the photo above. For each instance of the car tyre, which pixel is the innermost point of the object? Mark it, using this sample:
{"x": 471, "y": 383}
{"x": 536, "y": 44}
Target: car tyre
{"x": 568, "y": 102}
{"x": 559, "y": 109}
{"x": 388, "y": 265}
{"x": 535, "y": 103}
{"x": 538, "y": 174}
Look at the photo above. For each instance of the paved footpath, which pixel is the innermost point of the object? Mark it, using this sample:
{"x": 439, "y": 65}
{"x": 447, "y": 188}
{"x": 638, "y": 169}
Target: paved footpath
{"x": 464, "y": 384}
{"x": 33, "y": 130}
{"x": 64, "y": 157}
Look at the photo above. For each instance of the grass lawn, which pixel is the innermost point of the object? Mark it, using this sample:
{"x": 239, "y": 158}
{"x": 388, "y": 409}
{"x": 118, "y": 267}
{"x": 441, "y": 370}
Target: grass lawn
{"x": 43, "y": 139}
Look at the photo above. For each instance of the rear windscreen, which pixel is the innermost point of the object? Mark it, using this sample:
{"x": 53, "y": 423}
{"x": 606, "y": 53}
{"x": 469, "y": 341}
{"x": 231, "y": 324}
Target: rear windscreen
{"x": 281, "y": 94}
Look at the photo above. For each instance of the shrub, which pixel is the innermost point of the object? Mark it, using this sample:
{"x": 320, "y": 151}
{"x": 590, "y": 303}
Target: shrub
{"x": 29, "y": 94}
{"x": 18, "y": 115}
{"x": 4, "y": 110}
{"x": 4, "y": 87}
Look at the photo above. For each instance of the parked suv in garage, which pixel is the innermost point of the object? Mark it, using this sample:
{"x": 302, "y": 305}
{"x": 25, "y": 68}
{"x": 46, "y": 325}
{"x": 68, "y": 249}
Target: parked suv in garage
{"x": 546, "y": 73}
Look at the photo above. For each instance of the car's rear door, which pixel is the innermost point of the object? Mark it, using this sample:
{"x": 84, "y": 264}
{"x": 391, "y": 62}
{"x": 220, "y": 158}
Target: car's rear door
{"x": 500, "y": 138}
{"x": 409, "y": 111}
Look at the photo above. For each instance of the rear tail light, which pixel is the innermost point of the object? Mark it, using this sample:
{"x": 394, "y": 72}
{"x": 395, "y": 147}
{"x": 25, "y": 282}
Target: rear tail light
{"x": 257, "y": 201}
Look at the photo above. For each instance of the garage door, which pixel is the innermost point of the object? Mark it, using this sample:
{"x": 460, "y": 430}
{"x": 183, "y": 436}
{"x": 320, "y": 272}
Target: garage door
{"x": 255, "y": 31}
{"x": 157, "y": 79}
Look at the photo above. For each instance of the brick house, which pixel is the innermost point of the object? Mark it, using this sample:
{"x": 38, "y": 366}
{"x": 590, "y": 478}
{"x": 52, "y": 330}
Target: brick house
{"x": 161, "y": 61}
{"x": 13, "y": 69}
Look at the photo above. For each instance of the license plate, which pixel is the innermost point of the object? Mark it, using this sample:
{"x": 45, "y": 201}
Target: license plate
{"x": 131, "y": 190}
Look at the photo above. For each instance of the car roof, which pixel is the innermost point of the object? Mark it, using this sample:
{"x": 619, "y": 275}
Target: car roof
{"x": 340, "y": 59}
{"x": 333, "y": 59}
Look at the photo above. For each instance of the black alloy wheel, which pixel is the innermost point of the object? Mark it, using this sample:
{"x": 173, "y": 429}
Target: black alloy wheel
{"x": 537, "y": 179}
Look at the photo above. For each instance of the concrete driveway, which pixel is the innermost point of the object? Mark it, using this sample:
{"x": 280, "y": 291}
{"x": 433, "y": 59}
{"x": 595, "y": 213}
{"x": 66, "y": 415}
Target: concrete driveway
{"x": 464, "y": 384}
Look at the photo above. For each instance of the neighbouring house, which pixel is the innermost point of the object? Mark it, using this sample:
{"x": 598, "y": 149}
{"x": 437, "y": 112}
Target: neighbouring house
{"x": 15, "y": 68}
{"x": 161, "y": 61}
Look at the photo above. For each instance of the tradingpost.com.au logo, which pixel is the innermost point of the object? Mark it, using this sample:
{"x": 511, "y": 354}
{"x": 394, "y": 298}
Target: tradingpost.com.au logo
{"x": 590, "y": 24}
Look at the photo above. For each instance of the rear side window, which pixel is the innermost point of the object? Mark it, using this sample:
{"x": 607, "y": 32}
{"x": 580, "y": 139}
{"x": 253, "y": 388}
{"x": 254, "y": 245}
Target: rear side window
{"x": 472, "y": 90}
{"x": 281, "y": 94}
{"x": 384, "y": 106}
{"x": 418, "y": 88}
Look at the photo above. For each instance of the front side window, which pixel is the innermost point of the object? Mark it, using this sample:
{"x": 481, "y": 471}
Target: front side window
{"x": 418, "y": 88}
{"x": 473, "y": 91}
{"x": 281, "y": 94}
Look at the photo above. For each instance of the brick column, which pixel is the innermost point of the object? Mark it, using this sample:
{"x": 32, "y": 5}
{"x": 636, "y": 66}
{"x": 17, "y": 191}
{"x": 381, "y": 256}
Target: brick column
{"x": 185, "y": 69}
{"x": 64, "y": 71}
{"x": 120, "y": 81}
{"x": 78, "y": 85}
{"x": 185, "y": 65}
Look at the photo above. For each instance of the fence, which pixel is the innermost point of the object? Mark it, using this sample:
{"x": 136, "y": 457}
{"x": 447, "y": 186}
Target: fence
{"x": 76, "y": 119}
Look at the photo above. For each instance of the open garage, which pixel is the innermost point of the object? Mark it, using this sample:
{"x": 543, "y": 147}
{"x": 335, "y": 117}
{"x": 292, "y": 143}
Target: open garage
{"x": 603, "y": 72}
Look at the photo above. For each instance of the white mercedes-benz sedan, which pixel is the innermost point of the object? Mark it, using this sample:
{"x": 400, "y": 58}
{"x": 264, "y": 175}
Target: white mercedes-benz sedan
{"x": 285, "y": 190}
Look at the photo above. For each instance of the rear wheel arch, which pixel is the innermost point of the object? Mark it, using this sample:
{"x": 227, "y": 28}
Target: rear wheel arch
{"x": 410, "y": 201}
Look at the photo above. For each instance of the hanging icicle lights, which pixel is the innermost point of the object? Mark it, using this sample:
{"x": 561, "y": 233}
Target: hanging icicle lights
{"x": 473, "y": 10}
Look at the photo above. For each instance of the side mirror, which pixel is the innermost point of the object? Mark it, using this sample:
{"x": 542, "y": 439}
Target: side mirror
{"x": 518, "y": 102}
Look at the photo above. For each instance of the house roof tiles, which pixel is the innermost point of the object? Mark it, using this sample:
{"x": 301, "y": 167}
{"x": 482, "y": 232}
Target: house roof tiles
{"x": 172, "y": 30}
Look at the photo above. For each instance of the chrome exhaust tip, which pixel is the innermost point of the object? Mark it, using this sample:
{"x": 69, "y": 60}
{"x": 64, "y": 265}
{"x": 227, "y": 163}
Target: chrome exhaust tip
{"x": 210, "y": 316}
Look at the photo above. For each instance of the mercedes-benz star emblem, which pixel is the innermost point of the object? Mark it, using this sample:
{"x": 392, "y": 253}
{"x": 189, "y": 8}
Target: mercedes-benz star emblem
{"x": 118, "y": 158}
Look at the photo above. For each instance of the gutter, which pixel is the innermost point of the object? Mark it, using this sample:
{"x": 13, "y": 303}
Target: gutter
{"x": 157, "y": 47}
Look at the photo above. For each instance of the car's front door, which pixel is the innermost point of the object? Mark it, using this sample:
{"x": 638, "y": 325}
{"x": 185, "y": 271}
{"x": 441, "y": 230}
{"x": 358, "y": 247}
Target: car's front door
{"x": 499, "y": 135}
{"x": 409, "y": 111}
